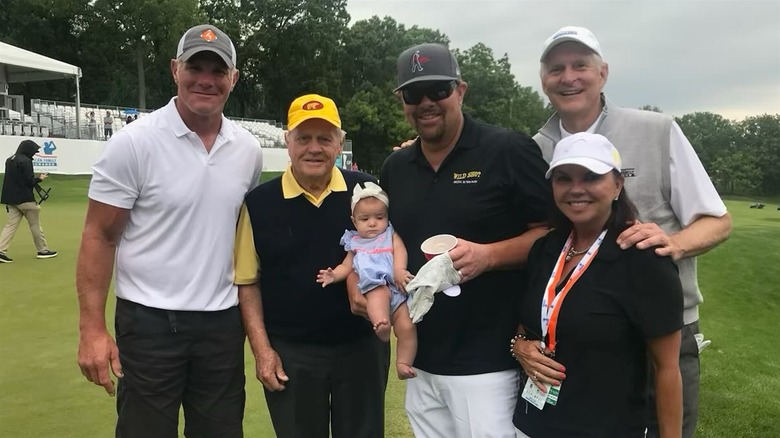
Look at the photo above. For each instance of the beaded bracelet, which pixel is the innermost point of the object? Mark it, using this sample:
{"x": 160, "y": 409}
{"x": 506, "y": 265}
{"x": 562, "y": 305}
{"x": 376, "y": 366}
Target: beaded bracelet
{"x": 512, "y": 344}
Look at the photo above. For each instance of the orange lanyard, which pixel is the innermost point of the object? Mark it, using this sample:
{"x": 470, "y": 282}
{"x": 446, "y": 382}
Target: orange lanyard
{"x": 552, "y": 302}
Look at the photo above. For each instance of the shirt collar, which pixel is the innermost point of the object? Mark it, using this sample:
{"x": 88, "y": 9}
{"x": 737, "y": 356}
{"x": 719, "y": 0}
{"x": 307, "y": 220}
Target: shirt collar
{"x": 291, "y": 188}
{"x": 590, "y": 130}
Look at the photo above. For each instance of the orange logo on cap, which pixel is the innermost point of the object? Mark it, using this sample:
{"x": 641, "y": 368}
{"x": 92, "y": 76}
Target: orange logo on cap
{"x": 208, "y": 35}
{"x": 312, "y": 105}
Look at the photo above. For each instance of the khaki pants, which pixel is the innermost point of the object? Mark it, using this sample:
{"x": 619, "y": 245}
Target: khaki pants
{"x": 30, "y": 211}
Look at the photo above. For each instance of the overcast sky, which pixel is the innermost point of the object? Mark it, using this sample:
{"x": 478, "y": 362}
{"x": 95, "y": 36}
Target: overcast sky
{"x": 682, "y": 56}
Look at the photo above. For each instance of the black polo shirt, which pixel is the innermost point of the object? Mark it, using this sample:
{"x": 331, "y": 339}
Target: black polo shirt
{"x": 488, "y": 189}
{"x": 622, "y": 300}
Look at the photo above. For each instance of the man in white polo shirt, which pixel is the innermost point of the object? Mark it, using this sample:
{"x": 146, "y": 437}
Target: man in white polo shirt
{"x": 164, "y": 202}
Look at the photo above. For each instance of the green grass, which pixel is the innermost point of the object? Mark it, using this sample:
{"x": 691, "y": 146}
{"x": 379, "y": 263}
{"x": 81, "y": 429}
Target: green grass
{"x": 43, "y": 394}
{"x": 741, "y": 368}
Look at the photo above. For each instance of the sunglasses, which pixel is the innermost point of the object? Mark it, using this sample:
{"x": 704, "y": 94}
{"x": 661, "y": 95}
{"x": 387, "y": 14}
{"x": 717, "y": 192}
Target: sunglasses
{"x": 435, "y": 92}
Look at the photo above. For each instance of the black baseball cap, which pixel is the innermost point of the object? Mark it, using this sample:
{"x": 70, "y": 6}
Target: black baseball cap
{"x": 206, "y": 37}
{"x": 426, "y": 62}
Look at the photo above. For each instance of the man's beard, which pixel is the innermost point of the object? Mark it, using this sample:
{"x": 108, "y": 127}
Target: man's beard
{"x": 432, "y": 136}
{"x": 429, "y": 135}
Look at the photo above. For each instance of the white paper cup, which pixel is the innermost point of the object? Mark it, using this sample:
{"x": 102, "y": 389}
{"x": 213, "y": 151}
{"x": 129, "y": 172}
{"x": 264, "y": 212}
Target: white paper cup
{"x": 438, "y": 244}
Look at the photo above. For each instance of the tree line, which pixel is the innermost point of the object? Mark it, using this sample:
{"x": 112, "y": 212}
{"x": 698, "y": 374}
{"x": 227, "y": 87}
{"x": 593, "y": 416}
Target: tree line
{"x": 291, "y": 47}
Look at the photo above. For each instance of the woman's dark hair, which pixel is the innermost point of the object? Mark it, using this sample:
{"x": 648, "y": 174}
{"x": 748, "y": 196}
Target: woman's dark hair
{"x": 623, "y": 214}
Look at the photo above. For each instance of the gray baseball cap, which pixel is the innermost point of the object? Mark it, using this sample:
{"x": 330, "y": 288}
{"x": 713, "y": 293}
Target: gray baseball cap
{"x": 206, "y": 37}
{"x": 426, "y": 62}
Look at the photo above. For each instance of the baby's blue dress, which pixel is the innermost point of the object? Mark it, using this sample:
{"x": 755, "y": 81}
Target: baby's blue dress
{"x": 373, "y": 262}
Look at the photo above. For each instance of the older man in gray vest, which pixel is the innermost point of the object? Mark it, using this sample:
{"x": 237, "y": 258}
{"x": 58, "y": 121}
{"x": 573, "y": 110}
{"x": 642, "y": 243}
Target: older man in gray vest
{"x": 681, "y": 211}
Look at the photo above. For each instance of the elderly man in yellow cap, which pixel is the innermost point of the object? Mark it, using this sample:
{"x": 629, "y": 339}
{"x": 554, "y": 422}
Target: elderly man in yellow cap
{"x": 322, "y": 369}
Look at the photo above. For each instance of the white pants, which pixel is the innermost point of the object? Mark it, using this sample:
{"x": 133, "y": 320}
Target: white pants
{"x": 475, "y": 406}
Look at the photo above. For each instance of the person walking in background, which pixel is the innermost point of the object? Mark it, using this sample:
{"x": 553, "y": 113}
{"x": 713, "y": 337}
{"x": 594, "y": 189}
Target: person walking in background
{"x": 680, "y": 210}
{"x": 163, "y": 205}
{"x": 92, "y": 125}
{"x": 108, "y": 125}
{"x": 485, "y": 185}
{"x": 323, "y": 370}
{"x": 19, "y": 201}
{"x": 129, "y": 119}
{"x": 605, "y": 312}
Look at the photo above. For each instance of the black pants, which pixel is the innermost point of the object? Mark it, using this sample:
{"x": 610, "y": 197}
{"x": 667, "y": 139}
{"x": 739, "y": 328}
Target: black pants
{"x": 177, "y": 358}
{"x": 342, "y": 384}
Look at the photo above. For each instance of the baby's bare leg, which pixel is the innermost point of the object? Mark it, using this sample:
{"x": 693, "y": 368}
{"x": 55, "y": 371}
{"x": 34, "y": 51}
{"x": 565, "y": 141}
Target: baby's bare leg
{"x": 406, "y": 349}
{"x": 378, "y": 309}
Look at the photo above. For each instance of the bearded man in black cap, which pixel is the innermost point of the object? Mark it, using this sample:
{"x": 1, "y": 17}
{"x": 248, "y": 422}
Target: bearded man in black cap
{"x": 18, "y": 185}
{"x": 486, "y": 186}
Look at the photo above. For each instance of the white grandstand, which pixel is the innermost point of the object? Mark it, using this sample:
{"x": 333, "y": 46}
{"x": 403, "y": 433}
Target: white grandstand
{"x": 58, "y": 119}
{"x": 267, "y": 131}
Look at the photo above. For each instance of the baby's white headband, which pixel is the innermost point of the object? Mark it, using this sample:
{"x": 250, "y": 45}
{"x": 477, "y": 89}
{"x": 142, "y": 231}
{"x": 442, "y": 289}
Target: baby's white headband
{"x": 369, "y": 190}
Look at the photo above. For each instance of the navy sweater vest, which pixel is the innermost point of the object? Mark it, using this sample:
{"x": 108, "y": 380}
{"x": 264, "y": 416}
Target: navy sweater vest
{"x": 294, "y": 240}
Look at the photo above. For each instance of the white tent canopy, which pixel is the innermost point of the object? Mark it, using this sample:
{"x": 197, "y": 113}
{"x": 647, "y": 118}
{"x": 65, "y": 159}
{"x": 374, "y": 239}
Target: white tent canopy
{"x": 19, "y": 65}
{"x": 24, "y": 66}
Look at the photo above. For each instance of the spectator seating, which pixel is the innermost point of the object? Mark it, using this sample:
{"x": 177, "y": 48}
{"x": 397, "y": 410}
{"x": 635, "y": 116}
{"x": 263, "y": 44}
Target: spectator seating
{"x": 266, "y": 132}
{"x": 58, "y": 119}
{"x": 61, "y": 117}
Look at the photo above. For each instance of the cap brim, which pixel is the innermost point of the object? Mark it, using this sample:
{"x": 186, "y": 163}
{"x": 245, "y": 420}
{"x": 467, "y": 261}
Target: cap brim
{"x": 561, "y": 40}
{"x": 333, "y": 122}
{"x": 188, "y": 54}
{"x": 594, "y": 166}
{"x": 429, "y": 78}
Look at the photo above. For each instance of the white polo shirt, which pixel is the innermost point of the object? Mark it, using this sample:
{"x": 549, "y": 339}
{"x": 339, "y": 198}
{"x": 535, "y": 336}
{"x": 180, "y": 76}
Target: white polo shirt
{"x": 176, "y": 252}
